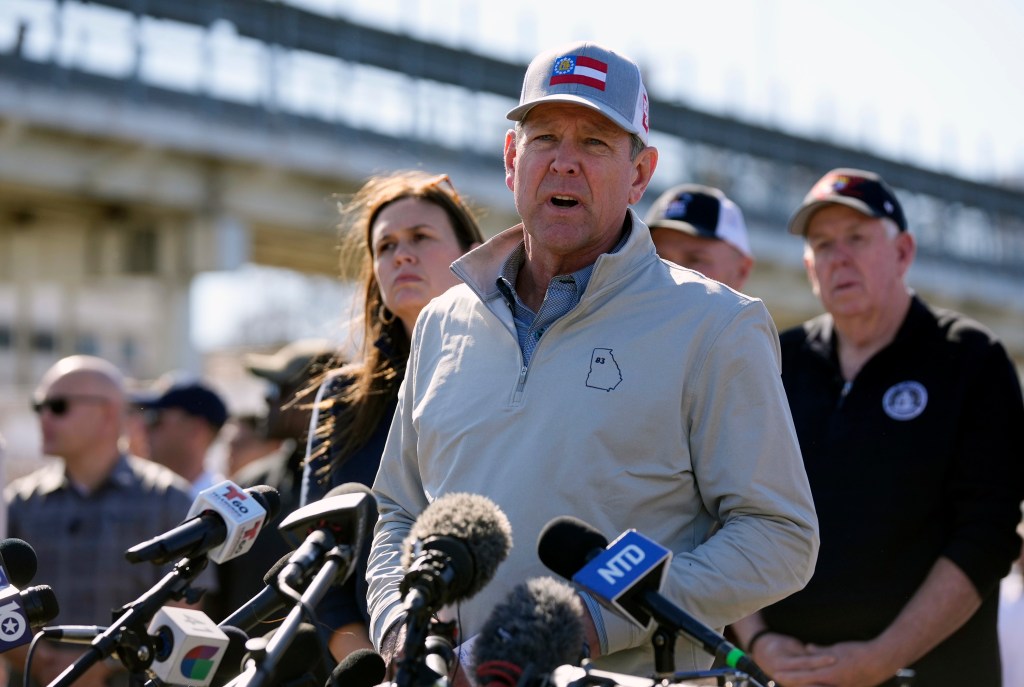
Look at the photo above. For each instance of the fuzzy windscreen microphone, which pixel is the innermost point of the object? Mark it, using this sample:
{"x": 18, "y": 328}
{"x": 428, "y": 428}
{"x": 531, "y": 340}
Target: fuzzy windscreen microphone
{"x": 361, "y": 668}
{"x": 454, "y": 548}
{"x": 537, "y": 628}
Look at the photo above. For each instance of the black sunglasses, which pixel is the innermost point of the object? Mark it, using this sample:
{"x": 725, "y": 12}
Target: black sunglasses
{"x": 59, "y": 405}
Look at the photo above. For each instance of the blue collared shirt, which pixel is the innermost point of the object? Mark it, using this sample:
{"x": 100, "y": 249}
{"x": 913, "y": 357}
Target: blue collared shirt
{"x": 563, "y": 294}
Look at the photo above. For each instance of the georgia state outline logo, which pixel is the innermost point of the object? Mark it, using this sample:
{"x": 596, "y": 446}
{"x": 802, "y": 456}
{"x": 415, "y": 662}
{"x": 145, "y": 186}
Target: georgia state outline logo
{"x": 604, "y": 373}
{"x": 905, "y": 401}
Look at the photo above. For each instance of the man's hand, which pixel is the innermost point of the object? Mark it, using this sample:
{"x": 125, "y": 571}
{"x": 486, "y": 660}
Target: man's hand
{"x": 846, "y": 664}
{"x": 391, "y": 648}
{"x": 855, "y": 664}
{"x": 790, "y": 662}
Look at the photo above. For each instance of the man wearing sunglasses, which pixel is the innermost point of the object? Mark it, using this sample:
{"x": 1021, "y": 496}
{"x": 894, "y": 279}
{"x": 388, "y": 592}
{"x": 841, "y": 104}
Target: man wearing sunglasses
{"x": 82, "y": 512}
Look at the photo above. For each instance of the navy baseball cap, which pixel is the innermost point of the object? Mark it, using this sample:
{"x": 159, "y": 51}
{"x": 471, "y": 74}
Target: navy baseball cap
{"x": 703, "y": 211}
{"x": 194, "y": 398}
{"x": 861, "y": 190}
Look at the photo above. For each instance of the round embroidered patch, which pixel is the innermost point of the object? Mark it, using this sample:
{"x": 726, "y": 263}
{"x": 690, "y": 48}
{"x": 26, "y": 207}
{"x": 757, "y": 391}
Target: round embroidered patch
{"x": 905, "y": 401}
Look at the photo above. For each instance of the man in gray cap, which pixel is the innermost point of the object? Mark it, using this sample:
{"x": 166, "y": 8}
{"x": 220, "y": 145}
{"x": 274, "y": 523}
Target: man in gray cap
{"x": 697, "y": 226}
{"x": 575, "y": 373}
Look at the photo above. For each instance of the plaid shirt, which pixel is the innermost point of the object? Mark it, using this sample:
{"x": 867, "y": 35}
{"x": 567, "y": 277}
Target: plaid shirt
{"x": 80, "y": 539}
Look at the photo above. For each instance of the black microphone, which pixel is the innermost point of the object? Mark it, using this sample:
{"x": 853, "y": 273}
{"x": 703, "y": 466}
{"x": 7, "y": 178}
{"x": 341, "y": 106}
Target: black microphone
{"x": 231, "y": 665}
{"x": 18, "y": 562}
{"x": 305, "y": 662}
{"x": 22, "y": 610}
{"x": 346, "y": 514}
{"x": 453, "y": 550}
{"x": 353, "y": 519}
{"x": 537, "y": 628}
{"x": 361, "y": 668}
{"x": 625, "y": 576}
{"x": 265, "y": 605}
{"x": 225, "y": 523}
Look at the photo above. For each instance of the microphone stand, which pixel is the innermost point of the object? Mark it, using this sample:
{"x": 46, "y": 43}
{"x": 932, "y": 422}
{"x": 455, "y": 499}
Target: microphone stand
{"x": 664, "y": 642}
{"x": 439, "y": 650}
{"x": 417, "y": 625}
{"x": 127, "y": 635}
{"x": 667, "y": 615}
{"x": 338, "y": 561}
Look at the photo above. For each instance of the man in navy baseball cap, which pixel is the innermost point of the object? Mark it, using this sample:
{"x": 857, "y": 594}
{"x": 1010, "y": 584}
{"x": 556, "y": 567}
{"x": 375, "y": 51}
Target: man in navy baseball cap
{"x": 182, "y": 424}
{"x": 859, "y": 189}
{"x": 697, "y": 226}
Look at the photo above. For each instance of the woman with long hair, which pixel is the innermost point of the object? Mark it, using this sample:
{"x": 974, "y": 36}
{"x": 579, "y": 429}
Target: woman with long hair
{"x": 407, "y": 228}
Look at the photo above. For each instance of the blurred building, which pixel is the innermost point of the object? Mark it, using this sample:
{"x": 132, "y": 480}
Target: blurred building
{"x": 142, "y": 151}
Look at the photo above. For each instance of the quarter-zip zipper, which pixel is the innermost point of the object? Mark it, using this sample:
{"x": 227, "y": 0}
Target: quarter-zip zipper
{"x": 847, "y": 385}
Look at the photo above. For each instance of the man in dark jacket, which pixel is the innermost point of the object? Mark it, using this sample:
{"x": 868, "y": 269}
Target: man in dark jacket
{"x": 910, "y": 422}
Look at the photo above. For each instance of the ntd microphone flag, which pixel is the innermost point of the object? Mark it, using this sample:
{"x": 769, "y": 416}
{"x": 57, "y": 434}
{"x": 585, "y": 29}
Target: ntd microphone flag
{"x": 189, "y": 646}
{"x": 628, "y": 566}
{"x": 242, "y": 514}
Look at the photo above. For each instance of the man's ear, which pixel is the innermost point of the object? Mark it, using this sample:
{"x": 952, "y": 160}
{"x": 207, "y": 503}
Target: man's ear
{"x": 643, "y": 169}
{"x": 510, "y": 159}
{"x": 906, "y": 249}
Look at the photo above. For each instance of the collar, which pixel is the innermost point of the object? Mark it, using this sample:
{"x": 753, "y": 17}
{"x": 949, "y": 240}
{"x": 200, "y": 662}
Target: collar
{"x": 821, "y": 331}
{"x": 55, "y": 477}
{"x": 506, "y": 281}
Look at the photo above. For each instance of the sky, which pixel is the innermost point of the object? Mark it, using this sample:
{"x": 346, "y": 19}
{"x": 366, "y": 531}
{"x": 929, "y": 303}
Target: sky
{"x": 932, "y": 83}
{"x": 936, "y": 83}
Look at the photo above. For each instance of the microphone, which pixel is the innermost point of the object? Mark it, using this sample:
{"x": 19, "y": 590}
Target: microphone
{"x": 266, "y": 604}
{"x": 222, "y": 523}
{"x": 231, "y": 663}
{"x": 537, "y": 628}
{"x": 18, "y": 562}
{"x": 626, "y": 577}
{"x": 303, "y": 664}
{"x": 617, "y": 575}
{"x": 346, "y": 514}
{"x": 73, "y": 634}
{"x": 188, "y": 647}
{"x": 450, "y": 553}
{"x": 453, "y": 550}
{"x": 228, "y": 663}
{"x": 361, "y": 668}
{"x": 21, "y": 611}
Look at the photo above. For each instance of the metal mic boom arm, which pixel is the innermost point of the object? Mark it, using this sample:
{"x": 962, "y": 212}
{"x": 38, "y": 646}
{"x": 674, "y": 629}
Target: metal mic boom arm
{"x": 338, "y": 565}
{"x": 128, "y": 634}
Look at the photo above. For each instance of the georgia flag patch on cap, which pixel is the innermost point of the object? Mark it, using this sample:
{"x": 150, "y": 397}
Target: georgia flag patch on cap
{"x": 579, "y": 69}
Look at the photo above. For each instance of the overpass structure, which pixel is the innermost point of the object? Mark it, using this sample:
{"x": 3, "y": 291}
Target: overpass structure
{"x": 144, "y": 142}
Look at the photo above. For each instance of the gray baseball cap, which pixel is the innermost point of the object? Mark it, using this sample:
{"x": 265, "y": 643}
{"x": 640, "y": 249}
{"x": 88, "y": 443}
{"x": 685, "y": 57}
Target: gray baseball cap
{"x": 591, "y": 75}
